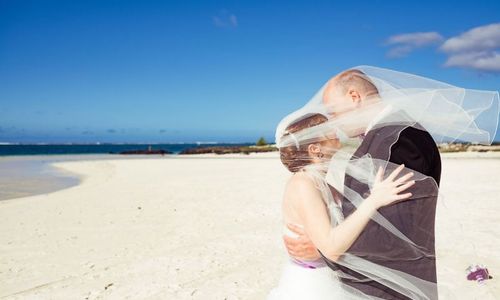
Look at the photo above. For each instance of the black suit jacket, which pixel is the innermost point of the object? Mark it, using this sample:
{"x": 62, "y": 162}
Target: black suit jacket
{"x": 414, "y": 218}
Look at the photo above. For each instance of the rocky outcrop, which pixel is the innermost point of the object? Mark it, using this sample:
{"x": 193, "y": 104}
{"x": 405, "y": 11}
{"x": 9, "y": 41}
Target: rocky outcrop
{"x": 229, "y": 149}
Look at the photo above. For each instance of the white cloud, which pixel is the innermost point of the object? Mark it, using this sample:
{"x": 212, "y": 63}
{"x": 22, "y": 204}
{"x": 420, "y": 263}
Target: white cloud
{"x": 225, "y": 19}
{"x": 407, "y": 42}
{"x": 483, "y": 61}
{"x": 400, "y": 51}
{"x": 477, "y": 39}
{"x": 416, "y": 39}
{"x": 233, "y": 21}
{"x": 477, "y": 48}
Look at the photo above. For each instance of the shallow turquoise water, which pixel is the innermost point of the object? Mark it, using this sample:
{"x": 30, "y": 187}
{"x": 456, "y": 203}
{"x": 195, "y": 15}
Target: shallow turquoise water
{"x": 21, "y": 177}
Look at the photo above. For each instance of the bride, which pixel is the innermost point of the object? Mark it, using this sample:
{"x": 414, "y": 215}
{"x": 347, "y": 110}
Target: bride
{"x": 310, "y": 204}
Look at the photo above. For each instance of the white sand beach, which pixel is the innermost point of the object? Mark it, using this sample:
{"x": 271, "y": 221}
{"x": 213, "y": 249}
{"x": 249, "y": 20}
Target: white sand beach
{"x": 206, "y": 227}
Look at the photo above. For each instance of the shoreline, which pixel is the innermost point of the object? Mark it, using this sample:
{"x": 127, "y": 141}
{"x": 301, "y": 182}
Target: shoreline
{"x": 52, "y": 178}
{"x": 41, "y": 175}
{"x": 94, "y": 156}
{"x": 30, "y": 177}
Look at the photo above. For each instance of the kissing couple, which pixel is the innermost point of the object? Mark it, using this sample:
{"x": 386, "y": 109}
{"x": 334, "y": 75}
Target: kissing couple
{"x": 359, "y": 209}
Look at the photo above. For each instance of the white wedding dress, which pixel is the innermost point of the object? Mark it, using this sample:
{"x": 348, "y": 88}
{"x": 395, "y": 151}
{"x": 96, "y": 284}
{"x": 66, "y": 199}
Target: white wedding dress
{"x": 311, "y": 280}
{"x": 306, "y": 280}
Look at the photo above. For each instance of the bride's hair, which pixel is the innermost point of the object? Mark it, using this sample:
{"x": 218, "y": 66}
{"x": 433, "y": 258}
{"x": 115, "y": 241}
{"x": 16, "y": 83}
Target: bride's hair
{"x": 295, "y": 157}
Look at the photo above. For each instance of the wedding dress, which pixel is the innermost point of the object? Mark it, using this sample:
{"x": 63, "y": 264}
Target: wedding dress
{"x": 308, "y": 279}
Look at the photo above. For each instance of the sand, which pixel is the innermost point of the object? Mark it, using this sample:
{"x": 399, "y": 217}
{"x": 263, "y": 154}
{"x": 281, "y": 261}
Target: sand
{"x": 205, "y": 227}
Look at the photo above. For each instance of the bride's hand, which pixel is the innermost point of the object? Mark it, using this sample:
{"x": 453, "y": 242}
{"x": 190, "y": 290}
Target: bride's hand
{"x": 387, "y": 191}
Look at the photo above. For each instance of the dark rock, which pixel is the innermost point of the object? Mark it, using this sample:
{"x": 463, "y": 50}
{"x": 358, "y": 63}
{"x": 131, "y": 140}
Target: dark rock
{"x": 160, "y": 151}
{"x": 228, "y": 149}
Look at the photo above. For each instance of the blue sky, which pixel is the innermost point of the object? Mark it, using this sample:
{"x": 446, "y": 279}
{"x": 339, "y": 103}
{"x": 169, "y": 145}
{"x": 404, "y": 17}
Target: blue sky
{"x": 179, "y": 71}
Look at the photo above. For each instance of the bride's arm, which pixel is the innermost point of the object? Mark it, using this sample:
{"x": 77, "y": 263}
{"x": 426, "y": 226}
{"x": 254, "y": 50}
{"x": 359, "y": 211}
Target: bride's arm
{"x": 312, "y": 211}
{"x": 334, "y": 241}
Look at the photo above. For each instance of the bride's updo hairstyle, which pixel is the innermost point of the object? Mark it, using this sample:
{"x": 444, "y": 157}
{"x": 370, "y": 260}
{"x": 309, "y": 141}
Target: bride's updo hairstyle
{"x": 295, "y": 157}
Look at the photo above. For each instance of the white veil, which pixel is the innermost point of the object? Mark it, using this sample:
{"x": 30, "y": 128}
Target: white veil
{"x": 447, "y": 112}
{"x": 344, "y": 176}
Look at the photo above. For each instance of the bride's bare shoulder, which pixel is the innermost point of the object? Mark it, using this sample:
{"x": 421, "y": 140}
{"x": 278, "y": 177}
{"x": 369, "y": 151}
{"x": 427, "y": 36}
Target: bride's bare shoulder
{"x": 301, "y": 192}
{"x": 300, "y": 183}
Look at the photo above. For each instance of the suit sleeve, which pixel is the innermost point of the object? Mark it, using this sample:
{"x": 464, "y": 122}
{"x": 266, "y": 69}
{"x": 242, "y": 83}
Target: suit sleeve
{"x": 406, "y": 151}
{"x": 376, "y": 241}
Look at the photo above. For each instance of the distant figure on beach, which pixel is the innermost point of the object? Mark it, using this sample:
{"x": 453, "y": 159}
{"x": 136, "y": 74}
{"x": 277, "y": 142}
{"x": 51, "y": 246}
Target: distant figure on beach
{"x": 360, "y": 206}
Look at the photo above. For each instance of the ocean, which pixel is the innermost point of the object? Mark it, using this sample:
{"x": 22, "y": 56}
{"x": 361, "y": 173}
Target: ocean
{"x": 57, "y": 149}
{"x": 22, "y": 176}
{"x": 26, "y": 170}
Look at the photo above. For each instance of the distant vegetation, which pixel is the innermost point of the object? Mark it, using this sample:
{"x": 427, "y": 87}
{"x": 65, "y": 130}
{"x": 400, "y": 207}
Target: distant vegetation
{"x": 261, "y": 142}
{"x": 260, "y": 146}
{"x": 148, "y": 151}
{"x": 465, "y": 147}
{"x": 229, "y": 149}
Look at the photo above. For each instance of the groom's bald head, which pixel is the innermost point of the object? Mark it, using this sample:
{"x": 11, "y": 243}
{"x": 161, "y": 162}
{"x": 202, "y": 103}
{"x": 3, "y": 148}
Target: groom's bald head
{"x": 347, "y": 90}
{"x": 353, "y": 79}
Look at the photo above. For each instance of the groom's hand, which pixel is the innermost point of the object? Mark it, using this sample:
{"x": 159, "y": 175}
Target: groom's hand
{"x": 301, "y": 247}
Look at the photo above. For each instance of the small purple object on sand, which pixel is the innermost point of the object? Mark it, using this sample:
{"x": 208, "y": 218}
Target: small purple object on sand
{"x": 478, "y": 273}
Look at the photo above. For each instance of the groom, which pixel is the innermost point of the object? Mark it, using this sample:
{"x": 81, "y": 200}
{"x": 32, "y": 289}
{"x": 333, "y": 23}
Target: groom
{"x": 352, "y": 93}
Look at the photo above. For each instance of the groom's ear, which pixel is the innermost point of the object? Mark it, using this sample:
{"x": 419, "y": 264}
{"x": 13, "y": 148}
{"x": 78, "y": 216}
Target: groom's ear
{"x": 354, "y": 96}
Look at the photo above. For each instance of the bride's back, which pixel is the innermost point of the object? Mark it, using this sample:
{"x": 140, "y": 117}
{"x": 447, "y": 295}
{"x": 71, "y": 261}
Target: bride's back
{"x": 295, "y": 183}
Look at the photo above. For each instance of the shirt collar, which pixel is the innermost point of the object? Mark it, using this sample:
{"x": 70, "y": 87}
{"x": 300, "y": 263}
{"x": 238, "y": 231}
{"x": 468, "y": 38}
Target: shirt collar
{"x": 385, "y": 112}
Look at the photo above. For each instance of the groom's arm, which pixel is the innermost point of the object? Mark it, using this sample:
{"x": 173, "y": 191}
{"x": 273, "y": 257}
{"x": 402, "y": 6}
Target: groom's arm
{"x": 301, "y": 247}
